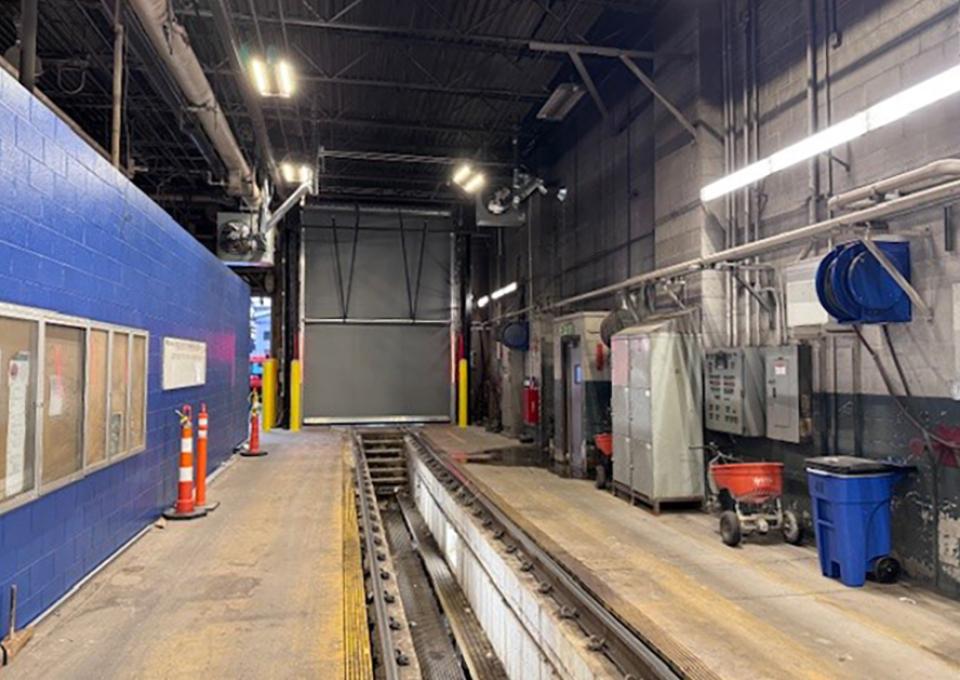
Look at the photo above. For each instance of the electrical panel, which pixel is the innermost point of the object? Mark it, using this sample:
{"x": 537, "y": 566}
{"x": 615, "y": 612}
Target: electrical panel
{"x": 789, "y": 393}
{"x": 733, "y": 386}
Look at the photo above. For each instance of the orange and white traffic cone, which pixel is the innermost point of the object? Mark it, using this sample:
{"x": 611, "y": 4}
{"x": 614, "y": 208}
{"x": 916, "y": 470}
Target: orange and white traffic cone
{"x": 185, "y": 507}
{"x": 203, "y": 428}
{"x": 254, "y": 449}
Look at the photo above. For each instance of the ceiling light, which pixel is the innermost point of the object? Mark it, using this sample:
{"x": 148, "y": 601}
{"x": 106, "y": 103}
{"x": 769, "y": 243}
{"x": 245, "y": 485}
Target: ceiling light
{"x": 506, "y": 290}
{"x": 560, "y": 102}
{"x": 483, "y": 302}
{"x": 306, "y": 173}
{"x": 285, "y": 78}
{"x": 475, "y": 183}
{"x": 883, "y": 113}
{"x": 258, "y": 71}
{"x": 462, "y": 174}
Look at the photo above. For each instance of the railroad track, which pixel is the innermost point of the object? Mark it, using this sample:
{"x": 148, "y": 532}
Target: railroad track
{"x": 606, "y": 634}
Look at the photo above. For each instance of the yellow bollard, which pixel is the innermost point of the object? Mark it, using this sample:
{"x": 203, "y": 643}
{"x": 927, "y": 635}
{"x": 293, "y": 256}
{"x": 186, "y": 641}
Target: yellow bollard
{"x": 462, "y": 393}
{"x": 296, "y": 412}
{"x": 269, "y": 394}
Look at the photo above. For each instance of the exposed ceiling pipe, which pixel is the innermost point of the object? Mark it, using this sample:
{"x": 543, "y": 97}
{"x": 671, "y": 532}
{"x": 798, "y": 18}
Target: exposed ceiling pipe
{"x": 251, "y": 100}
{"x": 932, "y": 173}
{"x": 927, "y": 198}
{"x": 285, "y": 207}
{"x": 170, "y": 41}
{"x": 28, "y": 43}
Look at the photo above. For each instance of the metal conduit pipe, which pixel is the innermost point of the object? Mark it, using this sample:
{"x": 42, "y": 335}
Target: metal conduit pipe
{"x": 285, "y": 207}
{"x": 926, "y": 198}
{"x": 380, "y": 210}
{"x": 171, "y": 43}
{"x": 932, "y": 173}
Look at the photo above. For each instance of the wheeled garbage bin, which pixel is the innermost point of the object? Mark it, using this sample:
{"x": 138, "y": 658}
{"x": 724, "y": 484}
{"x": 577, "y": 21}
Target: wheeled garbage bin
{"x": 851, "y": 516}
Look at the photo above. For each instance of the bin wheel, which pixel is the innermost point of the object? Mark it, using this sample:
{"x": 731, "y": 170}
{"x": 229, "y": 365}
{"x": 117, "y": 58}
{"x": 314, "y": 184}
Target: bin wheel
{"x": 730, "y": 528}
{"x": 886, "y": 570}
{"x": 792, "y": 529}
{"x": 601, "y": 478}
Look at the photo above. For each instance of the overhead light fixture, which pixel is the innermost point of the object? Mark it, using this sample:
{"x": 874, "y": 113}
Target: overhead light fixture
{"x": 293, "y": 173}
{"x": 883, "y": 113}
{"x": 276, "y": 79}
{"x": 561, "y": 102}
{"x": 462, "y": 173}
{"x": 483, "y": 302}
{"x": 506, "y": 290}
{"x": 468, "y": 179}
{"x": 475, "y": 183}
{"x": 285, "y": 79}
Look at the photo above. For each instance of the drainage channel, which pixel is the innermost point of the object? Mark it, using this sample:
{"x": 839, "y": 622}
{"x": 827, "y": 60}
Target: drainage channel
{"x": 423, "y": 625}
{"x": 603, "y": 633}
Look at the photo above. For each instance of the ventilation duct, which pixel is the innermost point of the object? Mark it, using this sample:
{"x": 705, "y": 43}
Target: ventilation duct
{"x": 170, "y": 41}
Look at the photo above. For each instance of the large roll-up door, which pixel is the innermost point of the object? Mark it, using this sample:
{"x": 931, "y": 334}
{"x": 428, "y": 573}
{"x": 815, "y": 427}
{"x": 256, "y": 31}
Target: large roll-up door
{"x": 377, "y": 311}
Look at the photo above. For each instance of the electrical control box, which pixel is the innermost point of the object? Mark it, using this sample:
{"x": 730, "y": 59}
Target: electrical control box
{"x": 789, "y": 393}
{"x": 734, "y": 392}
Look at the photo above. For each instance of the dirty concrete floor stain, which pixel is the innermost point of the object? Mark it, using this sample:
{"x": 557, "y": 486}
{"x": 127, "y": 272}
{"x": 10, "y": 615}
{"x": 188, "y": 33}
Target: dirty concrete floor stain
{"x": 254, "y": 590}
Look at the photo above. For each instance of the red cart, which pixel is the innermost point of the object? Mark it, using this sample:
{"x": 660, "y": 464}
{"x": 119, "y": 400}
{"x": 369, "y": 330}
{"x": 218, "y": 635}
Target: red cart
{"x": 756, "y": 489}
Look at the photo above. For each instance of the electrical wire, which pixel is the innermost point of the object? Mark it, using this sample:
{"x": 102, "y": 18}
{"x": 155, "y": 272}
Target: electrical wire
{"x": 927, "y": 434}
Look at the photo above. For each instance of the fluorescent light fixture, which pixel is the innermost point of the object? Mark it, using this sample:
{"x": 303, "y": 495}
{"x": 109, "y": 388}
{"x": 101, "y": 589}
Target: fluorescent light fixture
{"x": 561, "y": 102}
{"x": 483, "y": 302}
{"x": 475, "y": 183}
{"x": 462, "y": 173}
{"x": 258, "y": 71}
{"x": 883, "y": 113}
{"x": 285, "y": 78}
{"x": 506, "y": 290}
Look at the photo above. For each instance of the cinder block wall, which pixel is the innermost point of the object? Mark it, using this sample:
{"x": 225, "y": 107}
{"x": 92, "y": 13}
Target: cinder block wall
{"x": 78, "y": 238}
{"x": 641, "y": 163}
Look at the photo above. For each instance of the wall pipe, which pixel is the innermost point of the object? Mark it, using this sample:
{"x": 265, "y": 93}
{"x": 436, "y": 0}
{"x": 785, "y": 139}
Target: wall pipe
{"x": 285, "y": 207}
{"x": 926, "y": 198}
{"x": 116, "y": 117}
{"x": 937, "y": 171}
{"x": 813, "y": 166}
{"x": 28, "y": 43}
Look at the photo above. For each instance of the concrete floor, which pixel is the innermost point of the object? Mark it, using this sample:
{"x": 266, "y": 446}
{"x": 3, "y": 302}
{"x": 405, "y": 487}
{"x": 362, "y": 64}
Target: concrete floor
{"x": 760, "y": 611}
{"x": 254, "y": 590}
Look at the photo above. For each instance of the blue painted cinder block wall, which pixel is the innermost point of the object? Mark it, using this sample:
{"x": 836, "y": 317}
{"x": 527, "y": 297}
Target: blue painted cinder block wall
{"x": 77, "y": 237}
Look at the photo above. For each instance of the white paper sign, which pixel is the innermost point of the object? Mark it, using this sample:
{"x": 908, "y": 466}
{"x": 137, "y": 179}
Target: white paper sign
{"x": 184, "y": 363}
{"x": 18, "y": 381}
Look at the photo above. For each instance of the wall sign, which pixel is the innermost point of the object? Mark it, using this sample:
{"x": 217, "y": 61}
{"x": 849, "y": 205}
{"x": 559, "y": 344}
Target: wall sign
{"x": 184, "y": 363}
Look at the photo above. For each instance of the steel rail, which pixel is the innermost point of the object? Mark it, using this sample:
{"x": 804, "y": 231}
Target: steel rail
{"x": 621, "y": 644}
{"x": 388, "y": 651}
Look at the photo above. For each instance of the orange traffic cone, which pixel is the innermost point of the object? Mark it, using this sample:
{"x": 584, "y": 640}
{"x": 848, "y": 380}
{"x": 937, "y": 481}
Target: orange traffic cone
{"x": 254, "y": 449}
{"x": 203, "y": 428}
{"x": 185, "y": 507}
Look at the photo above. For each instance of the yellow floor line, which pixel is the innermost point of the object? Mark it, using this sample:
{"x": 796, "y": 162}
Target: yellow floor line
{"x": 358, "y": 664}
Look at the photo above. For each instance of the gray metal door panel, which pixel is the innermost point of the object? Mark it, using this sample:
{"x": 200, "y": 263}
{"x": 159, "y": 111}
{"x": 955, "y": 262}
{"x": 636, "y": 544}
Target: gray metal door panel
{"x": 357, "y": 372}
{"x": 390, "y": 368}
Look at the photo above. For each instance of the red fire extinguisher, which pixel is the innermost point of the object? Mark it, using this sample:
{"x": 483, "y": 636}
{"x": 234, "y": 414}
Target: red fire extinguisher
{"x": 531, "y": 401}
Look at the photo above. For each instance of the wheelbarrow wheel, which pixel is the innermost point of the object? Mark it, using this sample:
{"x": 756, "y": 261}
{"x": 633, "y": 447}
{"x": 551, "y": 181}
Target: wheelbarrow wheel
{"x": 730, "y": 528}
{"x": 886, "y": 570}
{"x": 792, "y": 529}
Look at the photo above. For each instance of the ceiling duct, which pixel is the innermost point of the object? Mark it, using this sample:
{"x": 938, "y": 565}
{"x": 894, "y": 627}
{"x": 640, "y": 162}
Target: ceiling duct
{"x": 171, "y": 43}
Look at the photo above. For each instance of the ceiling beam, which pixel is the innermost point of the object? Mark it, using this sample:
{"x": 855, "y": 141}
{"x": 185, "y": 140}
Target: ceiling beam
{"x": 394, "y": 157}
{"x": 475, "y": 92}
{"x": 480, "y": 41}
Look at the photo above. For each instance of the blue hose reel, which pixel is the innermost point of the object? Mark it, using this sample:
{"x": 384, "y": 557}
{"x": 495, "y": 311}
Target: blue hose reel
{"x": 855, "y": 288}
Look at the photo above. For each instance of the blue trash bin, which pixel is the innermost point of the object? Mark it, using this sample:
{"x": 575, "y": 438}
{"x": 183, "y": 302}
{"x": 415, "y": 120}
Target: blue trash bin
{"x": 851, "y": 516}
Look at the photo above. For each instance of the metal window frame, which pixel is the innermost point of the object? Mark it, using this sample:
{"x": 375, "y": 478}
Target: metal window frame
{"x": 41, "y": 317}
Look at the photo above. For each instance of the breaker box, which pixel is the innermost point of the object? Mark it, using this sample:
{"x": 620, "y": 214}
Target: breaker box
{"x": 789, "y": 393}
{"x": 734, "y": 392}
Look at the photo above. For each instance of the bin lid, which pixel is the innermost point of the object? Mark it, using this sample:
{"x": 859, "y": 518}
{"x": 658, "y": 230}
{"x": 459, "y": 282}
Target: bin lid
{"x": 850, "y": 465}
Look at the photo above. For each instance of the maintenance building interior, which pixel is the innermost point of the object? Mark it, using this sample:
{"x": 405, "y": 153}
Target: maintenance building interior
{"x": 470, "y": 339}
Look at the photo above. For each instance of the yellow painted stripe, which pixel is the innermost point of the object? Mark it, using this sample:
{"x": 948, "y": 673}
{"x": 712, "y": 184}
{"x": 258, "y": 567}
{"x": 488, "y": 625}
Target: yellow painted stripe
{"x": 462, "y": 393}
{"x": 358, "y": 664}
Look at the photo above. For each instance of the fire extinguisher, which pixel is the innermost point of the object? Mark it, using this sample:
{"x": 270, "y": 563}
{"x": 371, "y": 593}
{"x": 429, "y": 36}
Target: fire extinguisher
{"x": 531, "y": 401}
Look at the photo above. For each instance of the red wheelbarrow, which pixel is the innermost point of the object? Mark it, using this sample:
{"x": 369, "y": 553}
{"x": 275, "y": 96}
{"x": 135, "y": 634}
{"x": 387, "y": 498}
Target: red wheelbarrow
{"x": 756, "y": 489}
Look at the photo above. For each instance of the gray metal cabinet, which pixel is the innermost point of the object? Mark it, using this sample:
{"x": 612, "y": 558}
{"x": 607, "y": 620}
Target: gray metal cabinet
{"x": 657, "y": 411}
